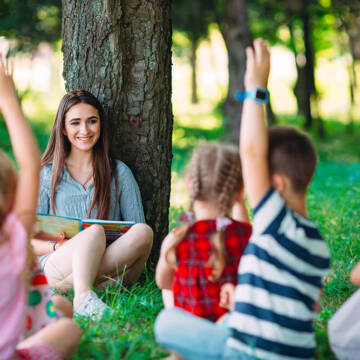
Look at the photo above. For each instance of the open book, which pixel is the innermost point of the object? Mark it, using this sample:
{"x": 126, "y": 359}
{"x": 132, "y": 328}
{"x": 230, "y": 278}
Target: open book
{"x": 56, "y": 225}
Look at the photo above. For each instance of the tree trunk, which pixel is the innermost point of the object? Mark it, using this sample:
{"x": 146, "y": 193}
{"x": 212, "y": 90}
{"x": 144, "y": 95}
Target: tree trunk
{"x": 309, "y": 66}
{"x": 270, "y": 116}
{"x": 193, "y": 62}
{"x": 120, "y": 50}
{"x": 237, "y": 37}
{"x": 354, "y": 46}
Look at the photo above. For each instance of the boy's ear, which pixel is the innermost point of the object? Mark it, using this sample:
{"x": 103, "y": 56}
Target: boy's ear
{"x": 279, "y": 183}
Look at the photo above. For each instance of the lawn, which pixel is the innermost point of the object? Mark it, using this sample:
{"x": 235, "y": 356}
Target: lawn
{"x": 333, "y": 205}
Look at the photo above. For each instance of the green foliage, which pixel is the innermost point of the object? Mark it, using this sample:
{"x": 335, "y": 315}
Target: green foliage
{"x": 30, "y": 22}
{"x": 192, "y": 17}
{"x": 126, "y": 333}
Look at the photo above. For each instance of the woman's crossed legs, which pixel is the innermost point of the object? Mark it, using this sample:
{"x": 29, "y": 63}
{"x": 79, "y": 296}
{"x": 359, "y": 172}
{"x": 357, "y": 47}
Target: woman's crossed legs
{"x": 84, "y": 259}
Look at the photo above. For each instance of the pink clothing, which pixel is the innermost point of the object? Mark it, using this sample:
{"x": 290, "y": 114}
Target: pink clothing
{"x": 13, "y": 253}
{"x": 20, "y": 315}
{"x": 40, "y": 310}
{"x": 36, "y": 352}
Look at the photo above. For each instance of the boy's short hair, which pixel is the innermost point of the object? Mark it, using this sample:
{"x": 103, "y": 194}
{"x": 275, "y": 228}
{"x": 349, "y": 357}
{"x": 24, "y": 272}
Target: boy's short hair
{"x": 292, "y": 153}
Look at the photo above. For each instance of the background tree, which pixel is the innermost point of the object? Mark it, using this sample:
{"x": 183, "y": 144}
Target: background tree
{"x": 348, "y": 16}
{"x": 193, "y": 19}
{"x": 309, "y": 29}
{"x": 232, "y": 19}
{"x": 121, "y": 52}
{"x": 30, "y": 22}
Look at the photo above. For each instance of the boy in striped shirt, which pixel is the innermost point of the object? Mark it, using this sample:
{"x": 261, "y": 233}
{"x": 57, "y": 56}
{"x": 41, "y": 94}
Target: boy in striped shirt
{"x": 281, "y": 271}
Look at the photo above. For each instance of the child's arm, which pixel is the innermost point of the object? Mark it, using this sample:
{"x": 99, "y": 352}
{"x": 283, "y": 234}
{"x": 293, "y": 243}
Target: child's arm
{"x": 164, "y": 273}
{"x": 253, "y": 130}
{"x": 355, "y": 275}
{"x": 240, "y": 212}
{"x": 25, "y": 149}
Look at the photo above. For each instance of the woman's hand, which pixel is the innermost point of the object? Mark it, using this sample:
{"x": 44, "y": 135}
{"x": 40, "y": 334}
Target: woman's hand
{"x": 44, "y": 242}
{"x": 227, "y": 293}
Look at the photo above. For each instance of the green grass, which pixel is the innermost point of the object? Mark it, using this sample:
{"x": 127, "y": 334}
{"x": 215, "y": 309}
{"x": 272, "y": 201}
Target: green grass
{"x": 333, "y": 205}
{"x": 126, "y": 333}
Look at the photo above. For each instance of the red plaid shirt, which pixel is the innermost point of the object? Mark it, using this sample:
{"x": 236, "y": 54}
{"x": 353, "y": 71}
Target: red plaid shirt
{"x": 192, "y": 289}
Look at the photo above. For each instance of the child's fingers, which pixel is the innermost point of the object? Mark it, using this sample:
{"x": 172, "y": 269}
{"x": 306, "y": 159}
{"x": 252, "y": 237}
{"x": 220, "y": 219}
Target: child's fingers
{"x": 11, "y": 67}
{"x": 250, "y": 57}
{"x": 262, "y": 53}
{"x": 2, "y": 64}
{"x": 259, "y": 49}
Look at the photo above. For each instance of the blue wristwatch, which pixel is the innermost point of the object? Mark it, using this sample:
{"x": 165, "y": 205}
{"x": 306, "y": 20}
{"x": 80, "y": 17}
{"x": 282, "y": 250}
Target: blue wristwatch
{"x": 259, "y": 95}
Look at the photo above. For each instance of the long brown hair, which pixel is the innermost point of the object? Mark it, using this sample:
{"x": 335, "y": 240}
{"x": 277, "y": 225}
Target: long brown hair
{"x": 58, "y": 148}
{"x": 215, "y": 175}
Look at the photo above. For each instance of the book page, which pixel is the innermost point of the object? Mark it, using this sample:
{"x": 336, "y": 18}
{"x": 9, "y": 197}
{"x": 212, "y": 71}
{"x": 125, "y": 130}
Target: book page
{"x": 57, "y": 224}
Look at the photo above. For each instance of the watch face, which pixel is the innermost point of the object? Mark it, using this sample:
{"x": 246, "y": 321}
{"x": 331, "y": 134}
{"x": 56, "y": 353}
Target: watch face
{"x": 260, "y": 94}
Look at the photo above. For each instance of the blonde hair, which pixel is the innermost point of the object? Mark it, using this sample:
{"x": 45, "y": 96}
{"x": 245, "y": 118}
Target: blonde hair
{"x": 8, "y": 179}
{"x": 215, "y": 176}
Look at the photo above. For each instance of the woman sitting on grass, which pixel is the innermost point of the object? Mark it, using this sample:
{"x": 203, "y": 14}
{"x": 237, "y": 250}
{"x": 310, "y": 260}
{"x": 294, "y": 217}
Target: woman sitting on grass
{"x": 79, "y": 178}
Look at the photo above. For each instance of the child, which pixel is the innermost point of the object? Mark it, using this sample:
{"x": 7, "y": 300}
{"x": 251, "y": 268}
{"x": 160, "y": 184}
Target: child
{"x": 202, "y": 255}
{"x": 280, "y": 273}
{"x": 18, "y": 200}
{"x": 344, "y": 326}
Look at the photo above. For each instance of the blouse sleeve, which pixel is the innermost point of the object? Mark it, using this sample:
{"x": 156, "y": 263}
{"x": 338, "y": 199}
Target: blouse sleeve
{"x": 129, "y": 195}
{"x": 44, "y": 191}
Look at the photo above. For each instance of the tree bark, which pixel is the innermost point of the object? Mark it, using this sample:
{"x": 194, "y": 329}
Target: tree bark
{"x": 120, "y": 50}
{"x": 237, "y": 37}
{"x": 193, "y": 62}
{"x": 270, "y": 116}
{"x": 305, "y": 88}
{"x": 309, "y": 66}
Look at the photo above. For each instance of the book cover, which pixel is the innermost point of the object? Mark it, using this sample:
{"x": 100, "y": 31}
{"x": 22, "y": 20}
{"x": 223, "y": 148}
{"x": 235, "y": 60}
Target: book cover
{"x": 56, "y": 225}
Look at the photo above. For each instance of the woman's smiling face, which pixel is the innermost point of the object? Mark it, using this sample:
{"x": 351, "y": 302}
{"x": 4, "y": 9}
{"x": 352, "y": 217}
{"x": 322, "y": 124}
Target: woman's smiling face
{"x": 82, "y": 126}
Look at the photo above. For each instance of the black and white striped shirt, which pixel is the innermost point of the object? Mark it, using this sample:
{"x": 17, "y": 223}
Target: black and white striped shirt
{"x": 279, "y": 281}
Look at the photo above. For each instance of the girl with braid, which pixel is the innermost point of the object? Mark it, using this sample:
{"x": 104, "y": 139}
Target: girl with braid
{"x": 29, "y": 327}
{"x": 199, "y": 260}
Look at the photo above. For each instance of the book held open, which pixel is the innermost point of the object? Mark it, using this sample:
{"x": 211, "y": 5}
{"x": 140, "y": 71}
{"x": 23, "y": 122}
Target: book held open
{"x": 56, "y": 225}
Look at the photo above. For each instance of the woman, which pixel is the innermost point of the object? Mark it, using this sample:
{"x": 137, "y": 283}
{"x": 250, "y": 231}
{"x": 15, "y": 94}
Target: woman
{"x": 80, "y": 179}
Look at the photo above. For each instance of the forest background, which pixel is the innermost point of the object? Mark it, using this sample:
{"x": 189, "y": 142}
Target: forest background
{"x": 315, "y": 50}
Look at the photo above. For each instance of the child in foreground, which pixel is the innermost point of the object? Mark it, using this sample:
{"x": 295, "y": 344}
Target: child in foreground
{"x": 280, "y": 274}
{"x": 18, "y": 201}
{"x": 197, "y": 259}
{"x": 344, "y": 326}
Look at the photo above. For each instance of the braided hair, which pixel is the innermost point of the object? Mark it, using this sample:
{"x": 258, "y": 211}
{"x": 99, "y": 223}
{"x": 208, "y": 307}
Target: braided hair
{"x": 215, "y": 176}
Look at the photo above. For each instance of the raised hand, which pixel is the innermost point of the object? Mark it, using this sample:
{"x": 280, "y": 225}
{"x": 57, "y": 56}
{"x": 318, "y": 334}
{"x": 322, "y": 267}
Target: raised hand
{"x": 7, "y": 86}
{"x": 257, "y": 65}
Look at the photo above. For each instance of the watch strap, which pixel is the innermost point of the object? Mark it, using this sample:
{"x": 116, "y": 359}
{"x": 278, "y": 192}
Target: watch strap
{"x": 257, "y": 94}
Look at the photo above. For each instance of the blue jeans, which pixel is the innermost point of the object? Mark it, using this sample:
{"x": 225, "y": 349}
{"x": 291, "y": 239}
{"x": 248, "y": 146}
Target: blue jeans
{"x": 194, "y": 338}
